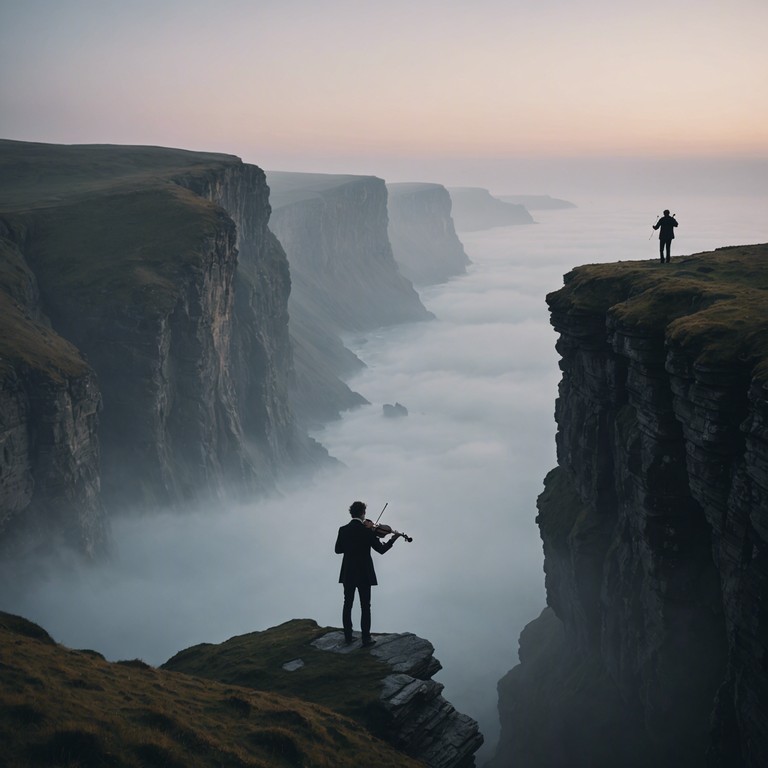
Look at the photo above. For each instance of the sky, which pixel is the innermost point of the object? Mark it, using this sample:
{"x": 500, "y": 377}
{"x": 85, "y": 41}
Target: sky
{"x": 449, "y": 89}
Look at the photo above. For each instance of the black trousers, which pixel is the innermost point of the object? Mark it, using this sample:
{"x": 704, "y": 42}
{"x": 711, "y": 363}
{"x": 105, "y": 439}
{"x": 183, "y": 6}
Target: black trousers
{"x": 364, "y": 590}
{"x": 664, "y": 245}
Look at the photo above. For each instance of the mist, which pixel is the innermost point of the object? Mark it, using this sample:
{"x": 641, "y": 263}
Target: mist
{"x": 460, "y": 474}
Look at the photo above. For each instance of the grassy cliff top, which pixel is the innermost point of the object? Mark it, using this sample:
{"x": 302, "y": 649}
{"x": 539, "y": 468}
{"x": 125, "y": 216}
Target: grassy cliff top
{"x": 35, "y": 175}
{"x": 97, "y": 228}
{"x": 64, "y": 707}
{"x": 346, "y": 683}
{"x": 713, "y": 306}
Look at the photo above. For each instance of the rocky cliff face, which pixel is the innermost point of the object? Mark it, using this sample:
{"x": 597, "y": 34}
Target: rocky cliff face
{"x": 49, "y": 404}
{"x": 422, "y": 234}
{"x": 158, "y": 268}
{"x": 344, "y": 278}
{"x": 654, "y": 524}
{"x": 475, "y": 208}
{"x": 387, "y": 688}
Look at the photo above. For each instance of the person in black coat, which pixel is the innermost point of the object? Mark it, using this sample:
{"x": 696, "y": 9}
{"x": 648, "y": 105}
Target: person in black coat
{"x": 355, "y": 541}
{"x": 666, "y": 226}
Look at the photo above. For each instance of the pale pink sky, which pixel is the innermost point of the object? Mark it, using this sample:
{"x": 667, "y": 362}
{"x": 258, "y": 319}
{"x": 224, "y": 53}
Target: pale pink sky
{"x": 394, "y": 85}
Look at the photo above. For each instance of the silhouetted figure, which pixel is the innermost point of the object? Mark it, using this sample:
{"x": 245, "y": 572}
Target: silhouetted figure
{"x": 355, "y": 541}
{"x": 666, "y": 226}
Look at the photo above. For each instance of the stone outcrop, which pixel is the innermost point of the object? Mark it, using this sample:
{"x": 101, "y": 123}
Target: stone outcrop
{"x": 475, "y": 208}
{"x": 158, "y": 269}
{"x": 654, "y": 524}
{"x": 344, "y": 279}
{"x": 421, "y": 722}
{"x": 422, "y": 234}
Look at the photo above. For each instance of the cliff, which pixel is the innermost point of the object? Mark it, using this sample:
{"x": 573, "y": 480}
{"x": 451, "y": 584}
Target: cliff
{"x": 151, "y": 281}
{"x": 537, "y": 202}
{"x": 387, "y": 689}
{"x": 654, "y": 524}
{"x": 475, "y": 208}
{"x": 66, "y": 707}
{"x": 344, "y": 279}
{"x": 421, "y": 231}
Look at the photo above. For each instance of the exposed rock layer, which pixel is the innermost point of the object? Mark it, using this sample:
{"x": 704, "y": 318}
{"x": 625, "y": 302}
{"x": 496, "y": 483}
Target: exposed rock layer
{"x": 654, "y": 524}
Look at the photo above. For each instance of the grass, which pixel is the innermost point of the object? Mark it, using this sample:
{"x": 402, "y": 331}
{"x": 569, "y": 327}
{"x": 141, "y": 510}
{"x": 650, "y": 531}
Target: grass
{"x": 347, "y": 683}
{"x": 61, "y": 707}
{"x": 103, "y": 229}
{"x": 713, "y": 307}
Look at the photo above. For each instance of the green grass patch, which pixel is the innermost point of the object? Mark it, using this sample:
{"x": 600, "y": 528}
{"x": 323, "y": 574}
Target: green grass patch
{"x": 711, "y": 306}
{"x": 69, "y": 708}
{"x": 346, "y": 683}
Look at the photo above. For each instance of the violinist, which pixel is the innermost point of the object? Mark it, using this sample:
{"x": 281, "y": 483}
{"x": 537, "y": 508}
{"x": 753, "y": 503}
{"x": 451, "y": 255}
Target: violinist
{"x": 355, "y": 541}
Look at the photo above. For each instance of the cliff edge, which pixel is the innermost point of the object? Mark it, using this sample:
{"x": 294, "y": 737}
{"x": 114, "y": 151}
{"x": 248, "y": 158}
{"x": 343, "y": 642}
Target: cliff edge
{"x": 654, "y": 523}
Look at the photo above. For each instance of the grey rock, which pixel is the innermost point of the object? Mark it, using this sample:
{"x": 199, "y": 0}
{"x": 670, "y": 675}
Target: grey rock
{"x": 424, "y": 724}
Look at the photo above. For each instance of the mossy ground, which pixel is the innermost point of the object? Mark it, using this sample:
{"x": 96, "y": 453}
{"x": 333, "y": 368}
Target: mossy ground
{"x": 73, "y": 709}
{"x": 347, "y": 683}
{"x": 102, "y": 228}
{"x": 712, "y": 306}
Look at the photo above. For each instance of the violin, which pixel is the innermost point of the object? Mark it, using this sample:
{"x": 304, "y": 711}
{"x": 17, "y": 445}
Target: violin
{"x": 382, "y": 530}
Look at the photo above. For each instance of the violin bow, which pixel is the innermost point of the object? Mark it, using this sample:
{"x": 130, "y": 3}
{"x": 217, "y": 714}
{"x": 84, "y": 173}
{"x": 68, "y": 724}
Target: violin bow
{"x": 381, "y": 513}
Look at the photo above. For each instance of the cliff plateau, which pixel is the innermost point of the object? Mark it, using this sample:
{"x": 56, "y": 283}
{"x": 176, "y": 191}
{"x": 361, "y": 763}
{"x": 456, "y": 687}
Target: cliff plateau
{"x": 655, "y": 524}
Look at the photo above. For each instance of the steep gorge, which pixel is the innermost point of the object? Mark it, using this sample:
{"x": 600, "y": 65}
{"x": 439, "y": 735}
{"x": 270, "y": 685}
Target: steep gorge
{"x": 652, "y": 650}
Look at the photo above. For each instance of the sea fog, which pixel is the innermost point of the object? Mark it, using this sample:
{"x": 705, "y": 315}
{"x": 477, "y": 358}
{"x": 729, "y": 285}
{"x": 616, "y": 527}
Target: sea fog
{"x": 460, "y": 474}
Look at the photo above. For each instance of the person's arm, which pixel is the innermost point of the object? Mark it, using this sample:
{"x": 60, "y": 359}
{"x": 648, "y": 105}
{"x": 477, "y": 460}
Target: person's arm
{"x": 339, "y": 549}
{"x": 382, "y": 546}
{"x": 657, "y": 225}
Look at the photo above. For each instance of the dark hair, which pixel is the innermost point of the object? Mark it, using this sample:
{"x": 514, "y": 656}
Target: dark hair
{"x": 357, "y": 509}
{"x": 666, "y": 213}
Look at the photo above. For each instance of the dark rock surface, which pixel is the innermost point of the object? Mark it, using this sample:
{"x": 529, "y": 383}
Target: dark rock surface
{"x": 422, "y": 233}
{"x": 423, "y": 724}
{"x": 654, "y": 524}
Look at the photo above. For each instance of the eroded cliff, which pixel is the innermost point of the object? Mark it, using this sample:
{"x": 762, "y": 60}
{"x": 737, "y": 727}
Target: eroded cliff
{"x": 654, "y": 524}
{"x": 158, "y": 268}
{"x": 422, "y": 234}
{"x": 344, "y": 279}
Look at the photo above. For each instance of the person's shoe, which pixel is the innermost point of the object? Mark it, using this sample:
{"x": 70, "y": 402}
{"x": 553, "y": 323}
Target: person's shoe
{"x": 368, "y": 641}
{"x": 348, "y": 639}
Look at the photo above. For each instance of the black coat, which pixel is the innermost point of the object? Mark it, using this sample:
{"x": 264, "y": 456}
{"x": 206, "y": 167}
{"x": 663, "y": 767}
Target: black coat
{"x": 666, "y": 226}
{"x": 355, "y": 542}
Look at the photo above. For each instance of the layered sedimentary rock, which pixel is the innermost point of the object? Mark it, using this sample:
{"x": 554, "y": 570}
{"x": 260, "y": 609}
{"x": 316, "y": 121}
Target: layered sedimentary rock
{"x": 344, "y": 279}
{"x": 49, "y": 404}
{"x": 475, "y": 208}
{"x": 422, "y": 233}
{"x": 158, "y": 268}
{"x": 654, "y": 524}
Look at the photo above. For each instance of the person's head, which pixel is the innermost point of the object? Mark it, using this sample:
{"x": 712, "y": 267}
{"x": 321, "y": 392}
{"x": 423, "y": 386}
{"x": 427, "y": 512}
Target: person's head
{"x": 357, "y": 509}
{"x": 666, "y": 213}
